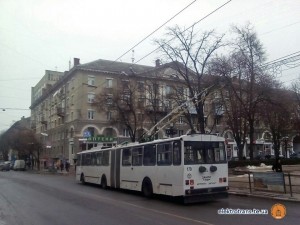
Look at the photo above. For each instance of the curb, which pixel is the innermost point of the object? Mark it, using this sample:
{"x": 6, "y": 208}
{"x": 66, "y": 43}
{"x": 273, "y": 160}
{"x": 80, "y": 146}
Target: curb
{"x": 290, "y": 199}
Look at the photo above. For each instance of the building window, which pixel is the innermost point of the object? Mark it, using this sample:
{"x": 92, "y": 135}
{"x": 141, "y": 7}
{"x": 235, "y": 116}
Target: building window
{"x": 181, "y": 120}
{"x": 91, "y": 114}
{"x": 109, "y": 82}
{"x": 126, "y": 133}
{"x": 91, "y": 97}
{"x": 109, "y": 116}
{"x": 91, "y": 80}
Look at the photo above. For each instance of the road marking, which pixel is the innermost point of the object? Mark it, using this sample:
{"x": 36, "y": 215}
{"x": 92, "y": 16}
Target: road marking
{"x": 168, "y": 214}
{"x": 156, "y": 211}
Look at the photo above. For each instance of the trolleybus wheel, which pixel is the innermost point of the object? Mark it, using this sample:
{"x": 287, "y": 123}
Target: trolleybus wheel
{"x": 103, "y": 182}
{"x": 147, "y": 188}
{"x": 82, "y": 180}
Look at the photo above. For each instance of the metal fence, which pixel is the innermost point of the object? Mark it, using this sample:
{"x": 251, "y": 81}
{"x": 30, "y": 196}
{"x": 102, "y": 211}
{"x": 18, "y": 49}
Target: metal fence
{"x": 272, "y": 182}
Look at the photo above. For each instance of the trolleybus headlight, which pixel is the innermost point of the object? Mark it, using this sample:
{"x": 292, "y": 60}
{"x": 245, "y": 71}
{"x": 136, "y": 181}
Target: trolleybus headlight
{"x": 213, "y": 168}
{"x": 202, "y": 169}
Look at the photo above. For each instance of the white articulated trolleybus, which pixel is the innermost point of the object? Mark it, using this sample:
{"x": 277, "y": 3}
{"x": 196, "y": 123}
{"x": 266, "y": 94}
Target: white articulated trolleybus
{"x": 193, "y": 167}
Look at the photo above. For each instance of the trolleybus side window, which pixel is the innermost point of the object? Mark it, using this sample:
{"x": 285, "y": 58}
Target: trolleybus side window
{"x": 94, "y": 159}
{"x": 164, "y": 154}
{"x": 105, "y": 158}
{"x": 137, "y": 156}
{"x": 149, "y": 155}
{"x": 99, "y": 158}
{"x": 87, "y": 159}
{"x": 126, "y": 157}
{"x": 176, "y": 153}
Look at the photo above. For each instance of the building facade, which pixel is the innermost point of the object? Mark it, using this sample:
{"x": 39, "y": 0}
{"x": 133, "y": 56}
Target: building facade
{"x": 67, "y": 120}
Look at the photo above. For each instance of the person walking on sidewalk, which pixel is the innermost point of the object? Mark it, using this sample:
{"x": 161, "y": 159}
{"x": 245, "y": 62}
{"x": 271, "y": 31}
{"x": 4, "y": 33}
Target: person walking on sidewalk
{"x": 61, "y": 165}
{"x": 67, "y": 166}
{"x": 277, "y": 166}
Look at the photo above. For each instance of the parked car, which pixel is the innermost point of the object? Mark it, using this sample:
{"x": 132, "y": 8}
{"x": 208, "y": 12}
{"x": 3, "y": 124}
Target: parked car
{"x": 5, "y": 166}
{"x": 20, "y": 165}
{"x": 295, "y": 155}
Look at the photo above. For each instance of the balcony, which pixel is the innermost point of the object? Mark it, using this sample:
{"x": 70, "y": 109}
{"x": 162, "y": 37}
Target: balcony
{"x": 158, "y": 109}
{"x": 60, "y": 111}
{"x": 43, "y": 120}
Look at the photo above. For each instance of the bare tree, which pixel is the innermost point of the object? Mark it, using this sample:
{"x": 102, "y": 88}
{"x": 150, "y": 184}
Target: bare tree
{"x": 295, "y": 88}
{"x": 276, "y": 114}
{"x": 248, "y": 56}
{"x": 191, "y": 54}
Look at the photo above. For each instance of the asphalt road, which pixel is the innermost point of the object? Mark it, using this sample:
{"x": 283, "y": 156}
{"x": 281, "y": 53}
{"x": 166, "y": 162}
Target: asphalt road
{"x": 43, "y": 199}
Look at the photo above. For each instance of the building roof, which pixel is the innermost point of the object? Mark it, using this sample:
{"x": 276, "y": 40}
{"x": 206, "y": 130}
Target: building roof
{"x": 114, "y": 67}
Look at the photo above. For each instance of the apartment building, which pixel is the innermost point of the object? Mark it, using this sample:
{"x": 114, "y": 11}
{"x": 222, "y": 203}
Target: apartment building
{"x": 67, "y": 120}
{"x": 65, "y": 117}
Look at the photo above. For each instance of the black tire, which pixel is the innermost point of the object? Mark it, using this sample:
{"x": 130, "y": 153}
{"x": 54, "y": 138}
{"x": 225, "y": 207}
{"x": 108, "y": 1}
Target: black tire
{"x": 103, "y": 182}
{"x": 82, "y": 180}
{"x": 147, "y": 188}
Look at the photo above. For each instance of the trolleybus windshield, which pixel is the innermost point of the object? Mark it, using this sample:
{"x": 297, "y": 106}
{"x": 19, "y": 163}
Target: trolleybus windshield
{"x": 203, "y": 152}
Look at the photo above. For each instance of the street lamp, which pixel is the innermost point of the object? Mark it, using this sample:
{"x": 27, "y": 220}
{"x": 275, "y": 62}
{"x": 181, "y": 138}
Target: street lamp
{"x": 285, "y": 142}
{"x": 45, "y": 148}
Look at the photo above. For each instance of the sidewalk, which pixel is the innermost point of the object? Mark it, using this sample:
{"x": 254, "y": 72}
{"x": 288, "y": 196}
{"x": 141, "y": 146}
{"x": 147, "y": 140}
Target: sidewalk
{"x": 239, "y": 185}
{"x": 269, "y": 195}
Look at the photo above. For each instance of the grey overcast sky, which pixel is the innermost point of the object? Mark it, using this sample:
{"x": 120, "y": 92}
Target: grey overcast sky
{"x": 39, "y": 35}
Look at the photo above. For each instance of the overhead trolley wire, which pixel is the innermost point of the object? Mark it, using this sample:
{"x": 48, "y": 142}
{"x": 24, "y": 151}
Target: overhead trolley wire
{"x": 155, "y": 30}
{"x": 203, "y": 18}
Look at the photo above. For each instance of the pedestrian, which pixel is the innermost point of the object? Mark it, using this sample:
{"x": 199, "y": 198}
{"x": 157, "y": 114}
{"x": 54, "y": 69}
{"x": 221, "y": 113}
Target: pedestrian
{"x": 61, "y": 165}
{"x": 67, "y": 166}
{"x": 277, "y": 166}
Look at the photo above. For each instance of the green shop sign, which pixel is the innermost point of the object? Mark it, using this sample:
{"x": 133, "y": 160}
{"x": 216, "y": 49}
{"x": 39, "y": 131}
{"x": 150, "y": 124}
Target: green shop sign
{"x": 101, "y": 139}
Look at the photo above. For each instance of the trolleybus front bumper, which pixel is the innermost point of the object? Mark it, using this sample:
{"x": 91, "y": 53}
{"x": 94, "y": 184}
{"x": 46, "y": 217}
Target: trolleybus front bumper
{"x": 205, "y": 194}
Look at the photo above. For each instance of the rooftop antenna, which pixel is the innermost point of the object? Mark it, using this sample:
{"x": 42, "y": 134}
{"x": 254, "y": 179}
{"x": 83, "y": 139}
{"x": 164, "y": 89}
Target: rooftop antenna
{"x": 132, "y": 58}
{"x": 69, "y": 64}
